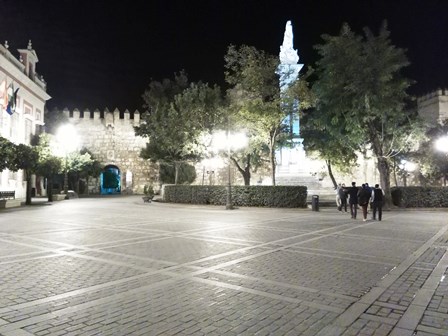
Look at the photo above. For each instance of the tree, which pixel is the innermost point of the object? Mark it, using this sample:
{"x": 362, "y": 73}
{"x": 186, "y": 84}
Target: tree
{"x": 77, "y": 163}
{"x": 186, "y": 173}
{"x": 255, "y": 95}
{"x": 362, "y": 93}
{"x": 7, "y": 154}
{"x": 48, "y": 164}
{"x": 26, "y": 158}
{"x": 178, "y": 116}
{"x": 92, "y": 168}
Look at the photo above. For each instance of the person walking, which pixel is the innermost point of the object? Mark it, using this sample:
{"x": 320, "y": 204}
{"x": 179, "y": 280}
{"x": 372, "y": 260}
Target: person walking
{"x": 377, "y": 203}
{"x": 353, "y": 199}
{"x": 364, "y": 196}
{"x": 342, "y": 195}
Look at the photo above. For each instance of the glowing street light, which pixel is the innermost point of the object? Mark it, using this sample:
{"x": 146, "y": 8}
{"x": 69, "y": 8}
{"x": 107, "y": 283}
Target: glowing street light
{"x": 68, "y": 142}
{"x": 441, "y": 144}
{"x": 407, "y": 167}
{"x": 227, "y": 140}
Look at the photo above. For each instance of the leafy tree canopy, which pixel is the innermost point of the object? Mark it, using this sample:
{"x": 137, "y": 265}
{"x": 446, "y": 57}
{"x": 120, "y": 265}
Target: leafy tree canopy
{"x": 361, "y": 95}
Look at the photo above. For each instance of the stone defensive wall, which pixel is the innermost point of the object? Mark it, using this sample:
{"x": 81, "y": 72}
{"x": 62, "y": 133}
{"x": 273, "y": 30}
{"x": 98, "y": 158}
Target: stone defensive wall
{"x": 433, "y": 107}
{"x": 111, "y": 138}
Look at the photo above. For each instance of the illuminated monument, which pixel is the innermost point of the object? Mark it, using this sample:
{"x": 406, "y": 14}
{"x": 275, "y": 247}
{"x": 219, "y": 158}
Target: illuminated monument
{"x": 293, "y": 167}
{"x": 288, "y": 70}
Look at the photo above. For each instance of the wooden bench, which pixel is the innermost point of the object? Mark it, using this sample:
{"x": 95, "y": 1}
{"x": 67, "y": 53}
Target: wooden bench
{"x": 7, "y": 195}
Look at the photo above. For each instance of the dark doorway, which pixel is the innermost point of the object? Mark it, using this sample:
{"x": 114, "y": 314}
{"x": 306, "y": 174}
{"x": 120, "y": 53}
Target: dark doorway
{"x": 110, "y": 180}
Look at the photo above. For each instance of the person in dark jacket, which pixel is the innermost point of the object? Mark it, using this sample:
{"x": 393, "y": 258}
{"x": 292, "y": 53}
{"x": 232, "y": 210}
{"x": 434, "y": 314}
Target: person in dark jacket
{"x": 364, "y": 196}
{"x": 353, "y": 199}
{"x": 342, "y": 195}
{"x": 377, "y": 204}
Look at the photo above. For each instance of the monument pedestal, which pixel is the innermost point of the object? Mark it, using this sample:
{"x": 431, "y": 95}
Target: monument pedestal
{"x": 295, "y": 168}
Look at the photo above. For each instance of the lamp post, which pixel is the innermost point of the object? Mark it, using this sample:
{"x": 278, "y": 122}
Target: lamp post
{"x": 68, "y": 141}
{"x": 441, "y": 145}
{"x": 228, "y": 141}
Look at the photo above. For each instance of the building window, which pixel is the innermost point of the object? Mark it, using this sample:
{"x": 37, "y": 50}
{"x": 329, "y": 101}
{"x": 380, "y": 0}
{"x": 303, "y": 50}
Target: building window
{"x": 38, "y": 115}
{"x": 27, "y": 109}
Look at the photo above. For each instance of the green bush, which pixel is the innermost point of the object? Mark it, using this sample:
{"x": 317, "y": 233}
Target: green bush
{"x": 420, "y": 197}
{"x": 262, "y": 196}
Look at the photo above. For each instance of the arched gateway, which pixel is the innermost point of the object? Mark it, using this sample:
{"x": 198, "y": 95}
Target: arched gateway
{"x": 110, "y": 180}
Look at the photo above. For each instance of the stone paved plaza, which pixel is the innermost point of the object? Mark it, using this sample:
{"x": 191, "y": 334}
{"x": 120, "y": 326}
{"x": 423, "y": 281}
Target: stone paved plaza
{"x": 118, "y": 266}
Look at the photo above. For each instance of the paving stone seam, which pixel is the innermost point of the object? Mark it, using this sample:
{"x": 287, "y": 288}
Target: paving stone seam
{"x": 429, "y": 268}
{"x": 381, "y": 238}
{"x": 268, "y": 295}
{"x": 23, "y": 256}
{"x": 286, "y": 285}
{"x": 436, "y": 314}
{"x": 327, "y": 253}
{"x": 358, "y": 308}
{"x": 380, "y": 319}
{"x": 413, "y": 315}
{"x": 431, "y": 330}
{"x": 62, "y": 245}
{"x": 390, "y": 305}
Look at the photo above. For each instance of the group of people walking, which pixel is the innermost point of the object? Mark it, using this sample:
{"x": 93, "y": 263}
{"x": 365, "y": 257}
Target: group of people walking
{"x": 363, "y": 196}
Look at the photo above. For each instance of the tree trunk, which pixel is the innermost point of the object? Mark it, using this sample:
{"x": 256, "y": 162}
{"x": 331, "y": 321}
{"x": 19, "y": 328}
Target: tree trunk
{"x": 246, "y": 171}
{"x": 272, "y": 161}
{"x": 50, "y": 189}
{"x": 28, "y": 187}
{"x": 330, "y": 173}
{"x": 384, "y": 169}
{"x": 176, "y": 172}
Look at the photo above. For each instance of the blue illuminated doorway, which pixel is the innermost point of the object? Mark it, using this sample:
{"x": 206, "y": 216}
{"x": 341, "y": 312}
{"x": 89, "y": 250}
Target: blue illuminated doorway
{"x": 110, "y": 180}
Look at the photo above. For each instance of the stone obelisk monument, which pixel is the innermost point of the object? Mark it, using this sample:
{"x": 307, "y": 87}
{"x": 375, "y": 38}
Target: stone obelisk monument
{"x": 288, "y": 70}
{"x": 293, "y": 168}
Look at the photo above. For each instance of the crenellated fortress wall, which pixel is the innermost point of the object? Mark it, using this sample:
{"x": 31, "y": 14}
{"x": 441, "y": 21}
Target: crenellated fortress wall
{"x": 110, "y": 137}
{"x": 433, "y": 107}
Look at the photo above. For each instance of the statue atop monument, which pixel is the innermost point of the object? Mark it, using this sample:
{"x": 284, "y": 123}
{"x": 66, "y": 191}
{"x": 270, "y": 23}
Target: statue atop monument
{"x": 288, "y": 55}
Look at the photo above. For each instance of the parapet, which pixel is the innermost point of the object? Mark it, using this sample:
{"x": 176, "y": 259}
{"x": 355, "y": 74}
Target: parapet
{"x": 434, "y": 94}
{"x": 108, "y": 116}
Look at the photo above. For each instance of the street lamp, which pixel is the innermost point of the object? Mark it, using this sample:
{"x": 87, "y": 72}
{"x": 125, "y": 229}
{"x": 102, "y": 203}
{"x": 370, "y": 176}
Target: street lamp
{"x": 442, "y": 144}
{"x": 407, "y": 167}
{"x": 68, "y": 142}
{"x": 227, "y": 140}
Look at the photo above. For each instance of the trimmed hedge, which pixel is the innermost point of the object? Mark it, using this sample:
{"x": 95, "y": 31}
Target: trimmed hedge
{"x": 261, "y": 196}
{"x": 420, "y": 197}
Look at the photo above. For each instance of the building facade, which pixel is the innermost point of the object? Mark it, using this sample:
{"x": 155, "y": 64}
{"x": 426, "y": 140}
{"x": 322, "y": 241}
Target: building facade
{"x": 28, "y": 117}
{"x": 111, "y": 139}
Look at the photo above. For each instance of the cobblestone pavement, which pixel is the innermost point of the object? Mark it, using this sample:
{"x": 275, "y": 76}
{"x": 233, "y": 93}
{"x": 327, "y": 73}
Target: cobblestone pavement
{"x": 118, "y": 266}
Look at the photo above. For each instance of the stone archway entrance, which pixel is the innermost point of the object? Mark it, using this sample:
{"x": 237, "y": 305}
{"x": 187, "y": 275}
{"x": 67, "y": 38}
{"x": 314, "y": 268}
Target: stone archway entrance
{"x": 110, "y": 180}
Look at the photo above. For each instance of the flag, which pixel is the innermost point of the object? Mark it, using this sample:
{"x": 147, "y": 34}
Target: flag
{"x": 11, "y": 97}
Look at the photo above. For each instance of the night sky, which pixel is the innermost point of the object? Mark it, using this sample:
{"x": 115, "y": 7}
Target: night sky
{"x": 98, "y": 54}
